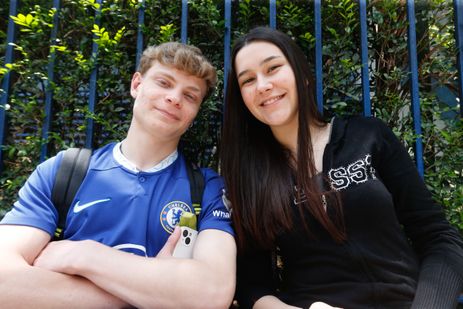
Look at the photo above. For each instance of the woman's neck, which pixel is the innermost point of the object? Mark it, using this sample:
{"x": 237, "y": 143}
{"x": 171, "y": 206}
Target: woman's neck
{"x": 320, "y": 135}
{"x": 287, "y": 136}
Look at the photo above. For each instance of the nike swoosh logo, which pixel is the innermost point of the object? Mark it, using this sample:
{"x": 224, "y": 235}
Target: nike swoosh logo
{"x": 78, "y": 207}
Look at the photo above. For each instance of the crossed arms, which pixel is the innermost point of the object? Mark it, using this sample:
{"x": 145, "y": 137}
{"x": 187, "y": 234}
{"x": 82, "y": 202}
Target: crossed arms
{"x": 87, "y": 274}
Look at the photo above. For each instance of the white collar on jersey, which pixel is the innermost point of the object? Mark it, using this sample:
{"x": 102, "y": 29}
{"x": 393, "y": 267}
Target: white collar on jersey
{"x": 122, "y": 160}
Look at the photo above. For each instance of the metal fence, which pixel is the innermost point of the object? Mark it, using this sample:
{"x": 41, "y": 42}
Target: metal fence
{"x": 227, "y": 4}
{"x": 458, "y": 9}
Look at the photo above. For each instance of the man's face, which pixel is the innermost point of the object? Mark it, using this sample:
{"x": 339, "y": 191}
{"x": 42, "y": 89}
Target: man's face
{"x": 166, "y": 100}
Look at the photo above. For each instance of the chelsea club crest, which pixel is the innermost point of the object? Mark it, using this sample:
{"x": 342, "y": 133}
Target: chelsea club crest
{"x": 170, "y": 214}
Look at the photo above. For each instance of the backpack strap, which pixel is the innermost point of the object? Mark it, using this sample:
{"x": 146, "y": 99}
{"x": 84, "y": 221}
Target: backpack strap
{"x": 68, "y": 179}
{"x": 196, "y": 179}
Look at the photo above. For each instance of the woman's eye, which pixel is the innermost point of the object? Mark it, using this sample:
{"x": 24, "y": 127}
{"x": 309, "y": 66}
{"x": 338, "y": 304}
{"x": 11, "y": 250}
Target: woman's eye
{"x": 273, "y": 68}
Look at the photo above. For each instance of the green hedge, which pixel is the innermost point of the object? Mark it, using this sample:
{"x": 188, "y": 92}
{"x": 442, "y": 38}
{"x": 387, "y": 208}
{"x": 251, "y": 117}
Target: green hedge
{"x": 390, "y": 93}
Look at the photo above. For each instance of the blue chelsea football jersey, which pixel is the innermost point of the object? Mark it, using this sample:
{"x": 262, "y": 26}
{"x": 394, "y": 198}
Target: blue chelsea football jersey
{"x": 129, "y": 210}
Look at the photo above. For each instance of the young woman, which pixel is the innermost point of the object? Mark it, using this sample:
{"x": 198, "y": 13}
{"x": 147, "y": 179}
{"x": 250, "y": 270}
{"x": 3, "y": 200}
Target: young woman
{"x": 339, "y": 203}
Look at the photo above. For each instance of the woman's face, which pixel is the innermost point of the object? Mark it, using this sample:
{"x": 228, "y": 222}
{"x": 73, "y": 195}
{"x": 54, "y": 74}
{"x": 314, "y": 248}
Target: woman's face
{"x": 267, "y": 84}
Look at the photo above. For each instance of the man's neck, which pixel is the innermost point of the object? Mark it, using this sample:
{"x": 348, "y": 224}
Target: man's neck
{"x": 145, "y": 151}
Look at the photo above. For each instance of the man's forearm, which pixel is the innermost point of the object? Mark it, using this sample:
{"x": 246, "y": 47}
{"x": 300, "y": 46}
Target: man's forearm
{"x": 159, "y": 282}
{"x": 206, "y": 281}
{"x": 26, "y": 286}
{"x": 32, "y": 287}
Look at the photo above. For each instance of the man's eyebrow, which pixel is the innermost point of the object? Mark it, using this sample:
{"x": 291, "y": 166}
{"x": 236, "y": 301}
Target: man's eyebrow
{"x": 194, "y": 88}
{"x": 261, "y": 63}
{"x": 172, "y": 78}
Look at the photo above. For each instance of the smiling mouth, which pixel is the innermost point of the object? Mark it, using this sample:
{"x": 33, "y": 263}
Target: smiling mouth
{"x": 271, "y": 100}
{"x": 167, "y": 114}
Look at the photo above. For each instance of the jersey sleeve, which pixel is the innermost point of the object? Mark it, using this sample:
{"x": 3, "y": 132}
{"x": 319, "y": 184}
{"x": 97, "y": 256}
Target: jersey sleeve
{"x": 214, "y": 214}
{"x": 438, "y": 245}
{"x": 34, "y": 206}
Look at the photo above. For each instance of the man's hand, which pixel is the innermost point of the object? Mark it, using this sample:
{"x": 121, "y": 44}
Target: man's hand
{"x": 57, "y": 256}
{"x": 169, "y": 246}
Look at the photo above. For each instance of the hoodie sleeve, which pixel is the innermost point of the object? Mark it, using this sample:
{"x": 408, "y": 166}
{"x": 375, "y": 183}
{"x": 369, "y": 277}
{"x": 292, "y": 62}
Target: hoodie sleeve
{"x": 438, "y": 245}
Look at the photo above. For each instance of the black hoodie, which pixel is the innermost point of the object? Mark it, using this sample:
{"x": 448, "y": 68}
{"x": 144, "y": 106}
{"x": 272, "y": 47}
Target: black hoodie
{"x": 400, "y": 251}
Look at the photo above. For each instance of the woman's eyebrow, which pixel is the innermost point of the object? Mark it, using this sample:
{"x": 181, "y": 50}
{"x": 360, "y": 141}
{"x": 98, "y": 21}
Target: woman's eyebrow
{"x": 270, "y": 58}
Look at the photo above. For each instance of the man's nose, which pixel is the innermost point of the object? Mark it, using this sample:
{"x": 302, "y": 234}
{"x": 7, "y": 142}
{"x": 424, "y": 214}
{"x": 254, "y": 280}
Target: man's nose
{"x": 174, "y": 98}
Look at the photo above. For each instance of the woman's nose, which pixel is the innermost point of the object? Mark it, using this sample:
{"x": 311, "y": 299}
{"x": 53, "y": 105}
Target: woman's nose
{"x": 263, "y": 85}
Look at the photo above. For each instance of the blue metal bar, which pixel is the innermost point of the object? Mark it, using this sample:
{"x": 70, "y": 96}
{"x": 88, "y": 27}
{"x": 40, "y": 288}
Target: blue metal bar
{"x": 49, "y": 88}
{"x": 141, "y": 22}
{"x": 93, "y": 91}
{"x": 184, "y": 21}
{"x": 9, "y": 57}
{"x": 412, "y": 55}
{"x": 227, "y": 45}
{"x": 458, "y": 11}
{"x": 318, "y": 55}
{"x": 364, "y": 56}
{"x": 273, "y": 14}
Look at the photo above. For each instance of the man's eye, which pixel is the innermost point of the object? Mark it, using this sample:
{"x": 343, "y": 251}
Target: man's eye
{"x": 162, "y": 83}
{"x": 247, "y": 81}
{"x": 191, "y": 97}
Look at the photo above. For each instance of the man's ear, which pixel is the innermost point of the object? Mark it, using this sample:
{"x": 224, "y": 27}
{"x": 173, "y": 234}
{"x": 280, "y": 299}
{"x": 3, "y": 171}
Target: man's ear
{"x": 136, "y": 81}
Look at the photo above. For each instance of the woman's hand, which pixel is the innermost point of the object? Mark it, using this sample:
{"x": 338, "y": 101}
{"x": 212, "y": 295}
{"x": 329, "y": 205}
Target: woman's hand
{"x": 320, "y": 305}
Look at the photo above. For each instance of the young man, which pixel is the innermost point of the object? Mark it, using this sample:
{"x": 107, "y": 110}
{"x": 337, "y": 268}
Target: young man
{"x": 117, "y": 251}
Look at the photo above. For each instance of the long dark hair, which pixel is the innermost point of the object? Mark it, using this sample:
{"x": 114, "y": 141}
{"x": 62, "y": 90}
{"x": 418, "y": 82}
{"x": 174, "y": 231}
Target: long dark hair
{"x": 258, "y": 170}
